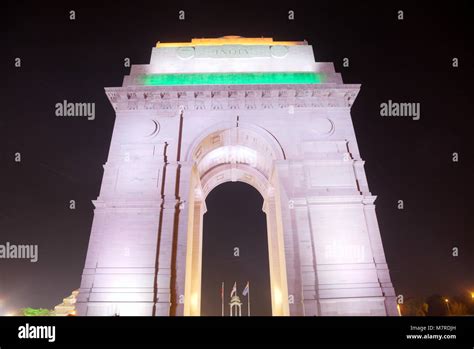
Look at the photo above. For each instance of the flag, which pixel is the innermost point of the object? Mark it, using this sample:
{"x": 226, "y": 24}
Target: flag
{"x": 222, "y": 297}
{"x": 246, "y": 289}
{"x": 234, "y": 290}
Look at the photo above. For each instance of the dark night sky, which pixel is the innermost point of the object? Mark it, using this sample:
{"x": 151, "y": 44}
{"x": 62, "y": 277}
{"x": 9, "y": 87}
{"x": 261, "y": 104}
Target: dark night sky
{"x": 405, "y": 61}
{"x": 230, "y": 224}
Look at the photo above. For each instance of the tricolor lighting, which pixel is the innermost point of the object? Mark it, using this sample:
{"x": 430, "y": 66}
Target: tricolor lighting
{"x": 230, "y": 78}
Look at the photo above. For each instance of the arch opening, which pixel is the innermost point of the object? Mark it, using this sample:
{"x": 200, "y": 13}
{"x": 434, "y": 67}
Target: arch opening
{"x": 236, "y": 154}
{"x": 235, "y": 249}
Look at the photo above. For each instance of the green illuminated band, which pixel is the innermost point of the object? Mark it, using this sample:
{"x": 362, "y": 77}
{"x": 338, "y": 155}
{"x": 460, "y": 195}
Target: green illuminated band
{"x": 230, "y": 79}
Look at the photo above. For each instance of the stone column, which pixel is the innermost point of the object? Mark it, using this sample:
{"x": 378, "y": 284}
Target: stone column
{"x": 181, "y": 234}
{"x": 291, "y": 243}
{"x": 307, "y": 257}
{"x": 383, "y": 273}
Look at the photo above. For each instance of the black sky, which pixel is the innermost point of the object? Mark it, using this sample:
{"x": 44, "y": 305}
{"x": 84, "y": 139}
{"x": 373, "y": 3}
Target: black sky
{"x": 405, "y": 61}
{"x": 235, "y": 249}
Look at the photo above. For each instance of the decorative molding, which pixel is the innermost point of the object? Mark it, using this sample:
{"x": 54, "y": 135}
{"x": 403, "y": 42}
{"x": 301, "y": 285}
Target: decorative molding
{"x": 231, "y": 97}
{"x": 333, "y": 200}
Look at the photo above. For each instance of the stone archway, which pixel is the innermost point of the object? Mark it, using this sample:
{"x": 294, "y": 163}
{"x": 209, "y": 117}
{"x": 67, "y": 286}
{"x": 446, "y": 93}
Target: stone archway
{"x": 242, "y": 153}
{"x": 191, "y": 120}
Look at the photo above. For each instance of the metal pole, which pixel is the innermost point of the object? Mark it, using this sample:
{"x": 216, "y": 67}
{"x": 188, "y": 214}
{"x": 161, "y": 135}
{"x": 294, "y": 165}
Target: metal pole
{"x": 222, "y": 297}
{"x": 248, "y": 301}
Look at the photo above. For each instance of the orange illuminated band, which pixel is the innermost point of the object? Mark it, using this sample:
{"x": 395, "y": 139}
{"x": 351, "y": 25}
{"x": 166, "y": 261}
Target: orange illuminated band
{"x": 231, "y": 40}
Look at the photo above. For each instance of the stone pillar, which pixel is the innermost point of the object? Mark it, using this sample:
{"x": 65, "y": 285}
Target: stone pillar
{"x": 383, "y": 273}
{"x": 348, "y": 280}
{"x": 180, "y": 248}
{"x": 307, "y": 258}
{"x": 291, "y": 240}
{"x": 119, "y": 273}
{"x": 165, "y": 244}
{"x": 276, "y": 254}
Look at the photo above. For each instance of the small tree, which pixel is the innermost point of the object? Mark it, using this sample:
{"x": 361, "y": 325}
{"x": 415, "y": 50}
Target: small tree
{"x": 414, "y": 307}
{"x": 458, "y": 308}
{"x": 36, "y": 312}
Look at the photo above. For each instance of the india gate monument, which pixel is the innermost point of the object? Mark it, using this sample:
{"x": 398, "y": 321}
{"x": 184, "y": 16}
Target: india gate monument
{"x": 229, "y": 109}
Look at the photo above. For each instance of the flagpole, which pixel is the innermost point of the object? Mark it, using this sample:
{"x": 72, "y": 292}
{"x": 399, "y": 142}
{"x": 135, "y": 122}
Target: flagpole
{"x": 222, "y": 297}
{"x": 248, "y": 302}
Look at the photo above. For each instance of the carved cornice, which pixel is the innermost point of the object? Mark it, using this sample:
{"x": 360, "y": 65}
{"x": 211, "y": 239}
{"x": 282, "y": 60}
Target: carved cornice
{"x": 334, "y": 200}
{"x": 258, "y": 97}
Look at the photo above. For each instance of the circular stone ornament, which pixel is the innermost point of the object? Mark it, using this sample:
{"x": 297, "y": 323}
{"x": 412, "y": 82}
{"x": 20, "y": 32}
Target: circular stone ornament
{"x": 155, "y": 129}
{"x": 185, "y": 52}
{"x": 279, "y": 51}
{"x": 322, "y": 126}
